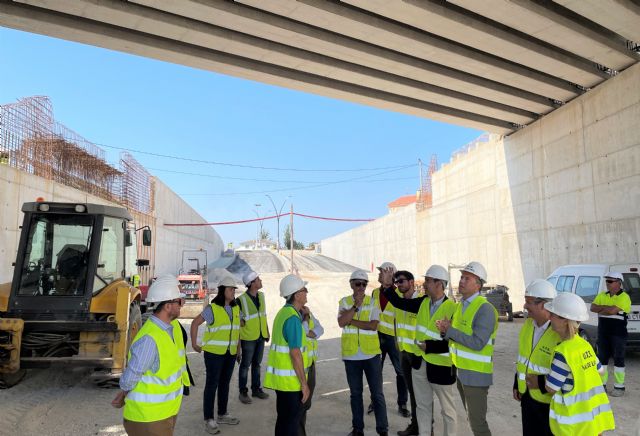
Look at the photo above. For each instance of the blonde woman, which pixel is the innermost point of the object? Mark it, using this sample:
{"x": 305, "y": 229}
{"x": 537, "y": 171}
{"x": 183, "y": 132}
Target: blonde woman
{"x": 579, "y": 403}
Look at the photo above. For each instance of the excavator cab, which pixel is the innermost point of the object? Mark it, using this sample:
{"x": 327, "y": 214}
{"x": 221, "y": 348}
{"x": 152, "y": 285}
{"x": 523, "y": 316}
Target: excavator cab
{"x": 71, "y": 301}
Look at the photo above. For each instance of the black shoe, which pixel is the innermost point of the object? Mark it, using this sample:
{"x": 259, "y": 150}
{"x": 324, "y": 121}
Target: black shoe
{"x": 409, "y": 431}
{"x": 403, "y": 411}
{"x": 355, "y": 432}
{"x": 384, "y": 433}
{"x": 260, "y": 394}
{"x": 370, "y": 409}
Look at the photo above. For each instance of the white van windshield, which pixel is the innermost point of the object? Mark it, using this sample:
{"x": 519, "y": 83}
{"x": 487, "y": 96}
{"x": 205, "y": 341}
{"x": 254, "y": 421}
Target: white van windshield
{"x": 632, "y": 286}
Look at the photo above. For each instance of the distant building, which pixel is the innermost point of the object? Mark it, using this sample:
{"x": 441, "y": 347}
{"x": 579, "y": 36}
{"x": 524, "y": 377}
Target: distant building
{"x": 266, "y": 244}
{"x": 401, "y": 202}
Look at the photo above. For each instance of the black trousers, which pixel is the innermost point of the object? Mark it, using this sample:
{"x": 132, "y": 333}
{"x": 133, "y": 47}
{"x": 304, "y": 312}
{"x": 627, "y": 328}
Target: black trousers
{"x": 289, "y": 409}
{"x": 405, "y": 359}
{"x": 311, "y": 381}
{"x": 535, "y": 417}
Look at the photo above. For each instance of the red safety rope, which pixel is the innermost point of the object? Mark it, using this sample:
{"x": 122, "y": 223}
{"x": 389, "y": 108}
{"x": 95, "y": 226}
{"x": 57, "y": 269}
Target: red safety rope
{"x": 223, "y": 223}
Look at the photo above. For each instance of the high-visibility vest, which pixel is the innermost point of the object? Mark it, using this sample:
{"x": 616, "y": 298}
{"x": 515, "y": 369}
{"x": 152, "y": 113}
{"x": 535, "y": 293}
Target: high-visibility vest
{"x": 464, "y": 357}
{"x": 426, "y": 329}
{"x": 536, "y": 360}
{"x": 406, "y": 329}
{"x": 585, "y": 409}
{"x": 223, "y": 334}
{"x": 387, "y": 316}
{"x": 353, "y": 337}
{"x": 280, "y": 374}
{"x": 255, "y": 321}
{"x": 158, "y": 395}
{"x": 312, "y": 343}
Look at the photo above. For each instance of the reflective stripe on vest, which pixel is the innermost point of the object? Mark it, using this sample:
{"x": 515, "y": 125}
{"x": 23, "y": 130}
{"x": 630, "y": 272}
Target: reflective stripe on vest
{"x": 312, "y": 343}
{"x": 158, "y": 395}
{"x": 280, "y": 374}
{"x": 353, "y": 337}
{"x": 387, "y": 317}
{"x": 464, "y": 357}
{"x": 585, "y": 409}
{"x": 223, "y": 334}
{"x": 426, "y": 329}
{"x": 536, "y": 361}
{"x": 255, "y": 321}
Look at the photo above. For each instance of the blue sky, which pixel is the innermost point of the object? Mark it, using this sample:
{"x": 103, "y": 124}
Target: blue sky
{"x": 120, "y": 100}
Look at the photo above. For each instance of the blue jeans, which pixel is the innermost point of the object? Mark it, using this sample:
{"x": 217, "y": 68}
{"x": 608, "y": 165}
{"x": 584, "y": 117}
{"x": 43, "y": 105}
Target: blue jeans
{"x": 219, "y": 372}
{"x": 388, "y": 346}
{"x": 252, "y": 352}
{"x": 372, "y": 369}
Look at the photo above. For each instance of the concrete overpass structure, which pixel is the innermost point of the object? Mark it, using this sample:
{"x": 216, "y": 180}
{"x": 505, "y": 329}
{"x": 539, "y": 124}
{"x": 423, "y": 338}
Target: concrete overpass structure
{"x": 495, "y": 65}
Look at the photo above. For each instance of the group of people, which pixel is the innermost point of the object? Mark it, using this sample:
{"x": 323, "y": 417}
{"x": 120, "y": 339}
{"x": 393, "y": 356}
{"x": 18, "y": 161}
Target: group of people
{"x": 434, "y": 343}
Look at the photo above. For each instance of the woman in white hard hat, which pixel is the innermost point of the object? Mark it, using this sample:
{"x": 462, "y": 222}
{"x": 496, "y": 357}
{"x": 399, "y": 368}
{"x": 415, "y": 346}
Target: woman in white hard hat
{"x": 221, "y": 345}
{"x": 579, "y": 403}
{"x": 537, "y": 343}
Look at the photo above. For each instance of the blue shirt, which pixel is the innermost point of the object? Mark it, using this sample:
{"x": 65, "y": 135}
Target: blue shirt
{"x": 207, "y": 314}
{"x": 144, "y": 356}
{"x": 292, "y": 331}
{"x": 560, "y": 377}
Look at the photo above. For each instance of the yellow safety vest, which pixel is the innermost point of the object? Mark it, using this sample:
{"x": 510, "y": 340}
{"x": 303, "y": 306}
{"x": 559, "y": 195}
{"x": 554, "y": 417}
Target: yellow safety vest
{"x": 464, "y": 357}
{"x": 280, "y": 375}
{"x": 223, "y": 334}
{"x": 585, "y": 409}
{"x": 353, "y": 337}
{"x": 312, "y": 343}
{"x": 406, "y": 330}
{"x": 255, "y": 321}
{"x": 536, "y": 361}
{"x": 387, "y": 316}
{"x": 158, "y": 395}
{"x": 426, "y": 329}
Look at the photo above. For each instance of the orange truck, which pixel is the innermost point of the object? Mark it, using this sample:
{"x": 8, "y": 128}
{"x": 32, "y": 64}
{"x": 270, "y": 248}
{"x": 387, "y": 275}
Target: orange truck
{"x": 193, "y": 274}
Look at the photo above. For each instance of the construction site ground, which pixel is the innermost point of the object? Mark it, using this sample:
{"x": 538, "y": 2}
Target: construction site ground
{"x": 62, "y": 401}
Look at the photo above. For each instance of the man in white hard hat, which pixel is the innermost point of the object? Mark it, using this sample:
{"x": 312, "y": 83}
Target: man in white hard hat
{"x": 387, "y": 334}
{"x": 288, "y": 360}
{"x": 152, "y": 384}
{"x": 431, "y": 348}
{"x": 471, "y": 337}
{"x": 613, "y": 308}
{"x": 535, "y": 354}
{"x": 358, "y": 317}
{"x": 254, "y": 332}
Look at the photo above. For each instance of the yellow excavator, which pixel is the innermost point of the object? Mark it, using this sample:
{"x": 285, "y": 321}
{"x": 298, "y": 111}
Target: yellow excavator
{"x": 71, "y": 301}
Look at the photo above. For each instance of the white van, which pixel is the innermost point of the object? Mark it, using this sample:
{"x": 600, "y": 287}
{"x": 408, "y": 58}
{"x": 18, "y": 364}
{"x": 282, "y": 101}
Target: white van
{"x": 587, "y": 281}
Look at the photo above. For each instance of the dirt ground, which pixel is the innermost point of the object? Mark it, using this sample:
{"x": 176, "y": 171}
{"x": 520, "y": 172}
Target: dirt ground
{"x": 63, "y": 402}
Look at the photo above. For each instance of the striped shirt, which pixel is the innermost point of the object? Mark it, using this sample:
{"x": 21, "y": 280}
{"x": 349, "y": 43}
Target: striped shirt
{"x": 144, "y": 357}
{"x": 560, "y": 377}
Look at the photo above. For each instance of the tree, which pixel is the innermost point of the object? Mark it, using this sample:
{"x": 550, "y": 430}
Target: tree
{"x": 264, "y": 234}
{"x": 287, "y": 240}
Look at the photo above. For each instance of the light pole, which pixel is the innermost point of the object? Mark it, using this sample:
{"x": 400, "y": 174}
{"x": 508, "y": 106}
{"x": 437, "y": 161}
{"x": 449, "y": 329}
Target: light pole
{"x": 277, "y": 212}
{"x": 258, "y": 224}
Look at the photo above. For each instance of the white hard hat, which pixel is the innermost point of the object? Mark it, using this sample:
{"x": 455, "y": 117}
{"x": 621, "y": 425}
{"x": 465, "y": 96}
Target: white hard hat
{"x": 164, "y": 288}
{"x": 614, "y": 275}
{"x": 569, "y": 306}
{"x": 359, "y": 275}
{"x": 540, "y": 288}
{"x": 228, "y": 282}
{"x": 249, "y": 277}
{"x": 291, "y": 284}
{"x": 476, "y": 269}
{"x": 437, "y": 272}
{"x": 388, "y": 265}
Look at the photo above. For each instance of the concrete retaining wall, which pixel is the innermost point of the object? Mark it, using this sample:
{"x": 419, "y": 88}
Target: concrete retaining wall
{"x": 17, "y": 187}
{"x": 565, "y": 189}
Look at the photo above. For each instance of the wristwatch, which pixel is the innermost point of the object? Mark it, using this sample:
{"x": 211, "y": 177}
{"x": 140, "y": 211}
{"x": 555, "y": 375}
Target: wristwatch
{"x": 356, "y": 308}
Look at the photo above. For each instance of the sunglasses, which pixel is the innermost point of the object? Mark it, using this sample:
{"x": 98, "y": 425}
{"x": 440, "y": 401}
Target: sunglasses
{"x": 398, "y": 281}
{"x": 610, "y": 281}
{"x": 180, "y": 301}
{"x": 360, "y": 284}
